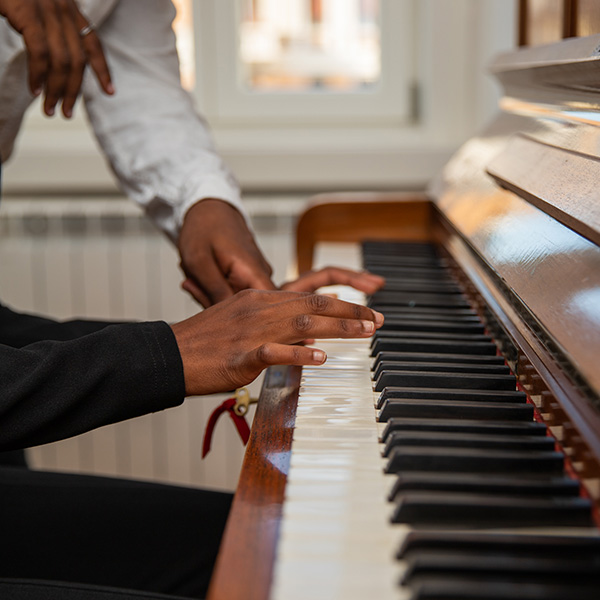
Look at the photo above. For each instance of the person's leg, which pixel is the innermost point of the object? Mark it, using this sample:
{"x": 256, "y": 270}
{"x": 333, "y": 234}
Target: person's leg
{"x": 13, "y": 458}
{"x": 24, "y": 589}
{"x": 109, "y": 532}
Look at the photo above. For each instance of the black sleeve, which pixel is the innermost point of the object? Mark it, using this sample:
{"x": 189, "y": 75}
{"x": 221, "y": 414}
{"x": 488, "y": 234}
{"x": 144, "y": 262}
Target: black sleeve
{"x": 19, "y": 329}
{"x": 50, "y": 390}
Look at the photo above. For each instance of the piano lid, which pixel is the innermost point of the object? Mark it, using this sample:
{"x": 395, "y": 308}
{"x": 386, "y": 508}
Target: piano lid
{"x": 524, "y": 194}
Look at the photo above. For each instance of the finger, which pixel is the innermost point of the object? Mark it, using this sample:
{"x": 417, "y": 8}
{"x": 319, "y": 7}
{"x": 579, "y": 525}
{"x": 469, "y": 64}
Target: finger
{"x": 360, "y": 280}
{"x": 281, "y": 354}
{"x": 249, "y": 274}
{"x": 295, "y": 303}
{"x": 305, "y": 326}
{"x": 77, "y": 58}
{"x": 195, "y": 292}
{"x": 211, "y": 281}
{"x": 317, "y": 304}
{"x": 34, "y": 38}
{"x": 94, "y": 52}
{"x": 59, "y": 63}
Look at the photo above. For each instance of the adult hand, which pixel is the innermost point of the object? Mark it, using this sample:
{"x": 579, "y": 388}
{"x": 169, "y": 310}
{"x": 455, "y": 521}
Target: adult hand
{"x": 360, "y": 280}
{"x": 219, "y": 255}
{"x": 229, "y": 344}
{"x": 59, "y": 44}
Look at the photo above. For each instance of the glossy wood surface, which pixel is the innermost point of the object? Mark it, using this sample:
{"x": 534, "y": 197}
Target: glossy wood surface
{"x": 562, "y": 402}
{"x": 546, "y": 153}
{"x": 346, "y": 217}
{"x": 245, "y": 563}
{"x": 552, "y": 269}
{"x": 563, "y": 183}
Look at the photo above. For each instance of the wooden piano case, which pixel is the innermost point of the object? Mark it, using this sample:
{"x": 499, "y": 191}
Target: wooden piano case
{"x": 518, "y": 212}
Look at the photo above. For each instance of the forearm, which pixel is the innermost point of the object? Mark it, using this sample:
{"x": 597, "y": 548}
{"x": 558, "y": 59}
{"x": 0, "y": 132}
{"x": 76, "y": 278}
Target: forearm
{"x": 20, "y": 329}
{"x": 53, "y": 390}
{"x": 158, "y": 146}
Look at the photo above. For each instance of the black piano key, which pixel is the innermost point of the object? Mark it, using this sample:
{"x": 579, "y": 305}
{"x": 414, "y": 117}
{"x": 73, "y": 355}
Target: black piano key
{"x": 479, "y": 510}
{"x": 440, "y": 588}
{"x": 419, "y": 270}
{"x": 422, "y": 286}
{"x": 456, "y": 395}
{"x": 439, "y": 313}
{"x": 557, "y": 546}
{"x": 433, "y": 335}
{"x": 459, "y": 395}
{"x": 391, "y": 256}
{"x": 445, "y": 380}
{"x": 430, "y": 357}
{"x": 393, "y": 247}
{"x": 445, "y": 409}
{"x": 508, "y": 428}
{"x": 447, "y": 376}
{"x": 437, "y": 346}
{"x": 465, "y": 460}
{"x": 433, "y": 439}
{"x": 420, "y": 261}
{"x": 400, "y": 277}
{"x": 484, "y": 484}
{"x": 530, "y": 569}
{"x": 379, "y": 300}
{"x": 417, "y": 263}
{"x": 410, "y": 314}
{"x": 448, "y": 367}
{"x": 418, "y": 283}
{"x": 412, "y": 324}
{"x": 416, "y": 270}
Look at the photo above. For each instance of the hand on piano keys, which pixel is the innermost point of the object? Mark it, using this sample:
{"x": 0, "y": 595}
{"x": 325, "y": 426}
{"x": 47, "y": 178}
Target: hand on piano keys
{"x": 228, "y": 345}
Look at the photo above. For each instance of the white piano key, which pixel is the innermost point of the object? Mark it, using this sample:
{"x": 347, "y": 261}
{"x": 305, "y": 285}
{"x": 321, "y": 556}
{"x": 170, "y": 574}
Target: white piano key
{"x": 336, "y": 540}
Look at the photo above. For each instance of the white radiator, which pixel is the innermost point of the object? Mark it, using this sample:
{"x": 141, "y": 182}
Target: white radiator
{"x": 103, "y": 259}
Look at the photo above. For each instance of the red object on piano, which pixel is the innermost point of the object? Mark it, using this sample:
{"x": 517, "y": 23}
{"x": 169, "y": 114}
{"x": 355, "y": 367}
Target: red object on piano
{"x": 239, "y": 421}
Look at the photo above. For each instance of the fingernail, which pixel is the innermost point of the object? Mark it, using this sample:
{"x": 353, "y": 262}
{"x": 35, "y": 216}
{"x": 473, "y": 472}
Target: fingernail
{"x": 319, "y": 356}
{"x": 110, "y": 88}
{"x": 50, "y": 111}
{"x": 368, "y": 326}
{"x": 378, "y": 318}
{"x": 68, "y": 113}
{"x": 37, "y": 92}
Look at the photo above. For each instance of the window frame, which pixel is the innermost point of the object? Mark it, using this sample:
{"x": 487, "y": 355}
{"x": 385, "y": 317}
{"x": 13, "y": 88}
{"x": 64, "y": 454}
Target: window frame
{"x": 225, "y": 102}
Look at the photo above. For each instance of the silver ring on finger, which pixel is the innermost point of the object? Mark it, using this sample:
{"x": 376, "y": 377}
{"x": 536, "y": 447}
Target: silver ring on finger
{"x": 86, "y": 30}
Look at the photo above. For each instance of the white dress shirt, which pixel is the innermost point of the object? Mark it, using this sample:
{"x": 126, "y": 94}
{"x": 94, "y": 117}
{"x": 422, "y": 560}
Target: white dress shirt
{"x": 156, "y": 143}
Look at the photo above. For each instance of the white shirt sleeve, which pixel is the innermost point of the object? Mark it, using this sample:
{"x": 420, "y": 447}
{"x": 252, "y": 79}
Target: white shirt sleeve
{"x": 157, "y": 145}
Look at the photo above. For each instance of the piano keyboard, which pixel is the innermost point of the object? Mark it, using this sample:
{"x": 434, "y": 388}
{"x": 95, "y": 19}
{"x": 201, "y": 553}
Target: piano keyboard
{"x": 456, "y": 491}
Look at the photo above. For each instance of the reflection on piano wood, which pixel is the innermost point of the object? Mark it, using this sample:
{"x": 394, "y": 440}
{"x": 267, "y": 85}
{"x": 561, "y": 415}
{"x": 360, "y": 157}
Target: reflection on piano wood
{"x": 486, "y": 504}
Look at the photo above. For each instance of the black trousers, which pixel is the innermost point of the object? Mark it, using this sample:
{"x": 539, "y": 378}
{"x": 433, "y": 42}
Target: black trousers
{"x": 74, "y": 537}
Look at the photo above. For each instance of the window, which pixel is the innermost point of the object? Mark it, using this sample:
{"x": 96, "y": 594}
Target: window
{"x": 314, "y": 46}
{"x": 305, "y": 61}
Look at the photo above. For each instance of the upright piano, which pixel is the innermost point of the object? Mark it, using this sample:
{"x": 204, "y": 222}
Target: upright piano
{"x": 457, "y": 454}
